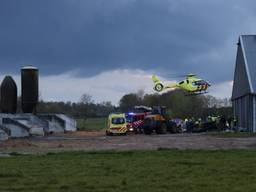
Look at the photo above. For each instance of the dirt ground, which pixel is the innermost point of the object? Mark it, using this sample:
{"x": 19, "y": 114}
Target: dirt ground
{"x": 88, "y": 141}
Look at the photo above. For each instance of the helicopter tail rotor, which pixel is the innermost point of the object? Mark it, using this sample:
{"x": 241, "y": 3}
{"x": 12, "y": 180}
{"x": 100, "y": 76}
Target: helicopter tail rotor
{"x": 155, "y": 79}
{"x": 158, "y": 85}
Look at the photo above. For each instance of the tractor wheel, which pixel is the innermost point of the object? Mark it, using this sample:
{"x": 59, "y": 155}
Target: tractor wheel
{"x": 162, "y": 129}
{"x": 159, "y": 87}
{"x": 139, "y": 130}
{"x": 148, "y": 131}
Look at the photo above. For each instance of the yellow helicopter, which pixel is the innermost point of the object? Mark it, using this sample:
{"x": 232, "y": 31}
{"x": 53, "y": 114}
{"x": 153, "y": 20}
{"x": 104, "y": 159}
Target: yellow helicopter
{"x": 192, "y": 85}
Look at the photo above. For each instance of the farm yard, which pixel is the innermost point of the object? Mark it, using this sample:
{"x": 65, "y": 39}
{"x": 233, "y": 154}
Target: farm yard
{"x": 127, "y": 96}
{"x": 88, "y": 160}
{"x": 97, "y": 140}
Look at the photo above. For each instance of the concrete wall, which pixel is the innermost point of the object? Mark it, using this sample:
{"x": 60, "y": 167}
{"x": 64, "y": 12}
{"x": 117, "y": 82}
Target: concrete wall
{"x": 17, "y": 131}
{"x": 3, "y": 135}
{"x": 24, "y": 125}
{"x": 70, "y": 123}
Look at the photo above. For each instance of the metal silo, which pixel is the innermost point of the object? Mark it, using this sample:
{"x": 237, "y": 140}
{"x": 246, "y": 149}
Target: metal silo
{"x": 8, "y": 95}
{"x": 29, "y": 89}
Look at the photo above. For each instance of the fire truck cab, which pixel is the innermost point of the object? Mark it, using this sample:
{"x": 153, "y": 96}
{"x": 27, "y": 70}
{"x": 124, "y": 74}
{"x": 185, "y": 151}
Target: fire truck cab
{"x": 134, "y": 121}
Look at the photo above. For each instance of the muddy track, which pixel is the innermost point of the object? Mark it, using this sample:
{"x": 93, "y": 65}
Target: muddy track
{"x": 88, "y": 141}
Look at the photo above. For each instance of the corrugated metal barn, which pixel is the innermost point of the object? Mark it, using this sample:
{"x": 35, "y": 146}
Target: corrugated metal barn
{"x": 244, "y": 88}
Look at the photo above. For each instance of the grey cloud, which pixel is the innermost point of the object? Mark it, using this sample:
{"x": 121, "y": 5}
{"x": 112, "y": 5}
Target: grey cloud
{"x": 92, "y": 36}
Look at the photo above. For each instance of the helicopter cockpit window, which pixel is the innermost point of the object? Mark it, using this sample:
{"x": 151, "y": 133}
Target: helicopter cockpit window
{"x": 187, "y": 81}
{"x": 201, "y": 82}
{"x": 181, "y": 82}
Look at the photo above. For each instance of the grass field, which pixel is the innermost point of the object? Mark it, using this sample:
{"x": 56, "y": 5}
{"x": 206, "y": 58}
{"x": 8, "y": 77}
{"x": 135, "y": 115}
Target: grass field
{"x": 162, "y": 170}
{"x": 92, "y": 124}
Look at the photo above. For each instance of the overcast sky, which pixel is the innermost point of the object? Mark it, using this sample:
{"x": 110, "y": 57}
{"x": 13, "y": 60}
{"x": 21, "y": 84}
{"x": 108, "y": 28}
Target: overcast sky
{"x": 107, "y": 48}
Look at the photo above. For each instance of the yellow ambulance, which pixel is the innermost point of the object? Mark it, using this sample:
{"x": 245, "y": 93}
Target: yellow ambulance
{"x": 116, "y": 124}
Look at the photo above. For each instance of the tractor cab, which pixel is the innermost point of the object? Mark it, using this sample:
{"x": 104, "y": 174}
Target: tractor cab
{"x": 157, "y": 121}
{"x": 160, "y": 112}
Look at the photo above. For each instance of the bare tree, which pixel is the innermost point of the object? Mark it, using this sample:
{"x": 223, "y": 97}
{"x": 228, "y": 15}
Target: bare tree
{"x": 86, "y": 99}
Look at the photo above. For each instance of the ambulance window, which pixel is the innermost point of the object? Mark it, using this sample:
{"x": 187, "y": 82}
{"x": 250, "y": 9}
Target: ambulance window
{"x": 118, "y": 121}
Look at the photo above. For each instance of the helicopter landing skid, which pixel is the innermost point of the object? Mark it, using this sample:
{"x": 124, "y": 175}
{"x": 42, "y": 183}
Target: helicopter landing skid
{"x": 194, "y": 94}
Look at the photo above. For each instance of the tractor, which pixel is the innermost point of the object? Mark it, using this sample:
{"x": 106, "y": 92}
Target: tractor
{"x": 158, "y": 121}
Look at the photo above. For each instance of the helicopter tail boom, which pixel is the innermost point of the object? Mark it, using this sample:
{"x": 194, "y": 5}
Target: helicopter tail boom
{"x": 171, "y": 86}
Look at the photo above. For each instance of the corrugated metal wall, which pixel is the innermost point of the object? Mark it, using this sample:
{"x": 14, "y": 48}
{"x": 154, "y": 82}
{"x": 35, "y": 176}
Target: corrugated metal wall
{"x": 245, "y": 112}
{"x": 254, "y": 113}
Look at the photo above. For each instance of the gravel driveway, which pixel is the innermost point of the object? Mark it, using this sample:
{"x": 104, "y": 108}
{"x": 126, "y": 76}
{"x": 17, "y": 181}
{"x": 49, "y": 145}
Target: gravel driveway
{"x": 89, "y": 141}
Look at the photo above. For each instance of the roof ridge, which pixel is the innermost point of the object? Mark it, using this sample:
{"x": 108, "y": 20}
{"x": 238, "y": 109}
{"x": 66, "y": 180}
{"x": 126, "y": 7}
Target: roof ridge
{"x": 246, "y": 63}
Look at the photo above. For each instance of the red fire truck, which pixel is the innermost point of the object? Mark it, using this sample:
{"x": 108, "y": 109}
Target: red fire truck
{"x": 135, "y": 119}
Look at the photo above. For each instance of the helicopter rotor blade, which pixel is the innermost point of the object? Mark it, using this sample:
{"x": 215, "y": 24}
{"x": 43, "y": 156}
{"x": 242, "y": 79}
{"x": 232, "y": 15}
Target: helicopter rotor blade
{"x": 181, "y": 76}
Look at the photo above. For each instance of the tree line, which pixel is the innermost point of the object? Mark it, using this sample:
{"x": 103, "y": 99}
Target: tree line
{"x": 178, "y": 105}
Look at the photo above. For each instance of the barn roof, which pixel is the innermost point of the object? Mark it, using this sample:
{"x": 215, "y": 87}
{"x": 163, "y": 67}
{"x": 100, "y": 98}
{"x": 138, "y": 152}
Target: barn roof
{"x": 245, "y": 70}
